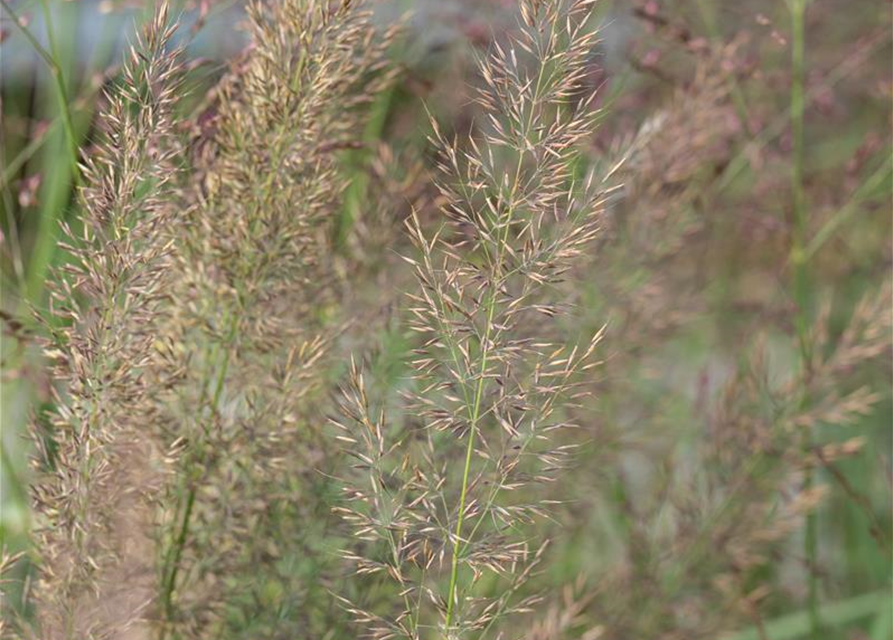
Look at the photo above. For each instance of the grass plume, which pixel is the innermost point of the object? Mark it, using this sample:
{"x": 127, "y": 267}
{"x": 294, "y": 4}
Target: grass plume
{"x": 490, "y": 393}
{"x": 102, "y": 328}
{"x": 247, "y": 345}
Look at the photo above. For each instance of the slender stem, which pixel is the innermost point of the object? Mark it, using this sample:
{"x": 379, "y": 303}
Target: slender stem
{"x": 45, "y": 244}
{"x": 878, "y": 179}
{"x": 62, "y": 95}
{"x": 179, "y": 544}
{"x": 476, "y": 409}
{"x": 475, "y": 415}
{"x": 51, "y": 59}
{"x": 779, "y": 125}
{"x": 708, "y": 15}
{"x": 479, "y": 391}
{"x": 227, "y": 344}
{"x": 800, "y": 284}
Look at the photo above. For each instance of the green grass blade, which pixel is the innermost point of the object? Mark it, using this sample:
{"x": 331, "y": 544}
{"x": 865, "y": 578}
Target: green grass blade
{"x": 838, "y": 614}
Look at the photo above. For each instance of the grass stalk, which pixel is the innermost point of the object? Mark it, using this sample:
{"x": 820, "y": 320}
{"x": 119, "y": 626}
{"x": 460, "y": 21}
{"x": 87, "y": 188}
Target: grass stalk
{"x": 176, "y": 552}
{"x": 877, "y": 180}
{"x": 51, "y": 59}
{"x": 708, "y": 16}
{"x": 45, "y": 244}
{"x": 479, "y": 391}
{"x": 62, "y": 95}
{"x": 475, "y": 416}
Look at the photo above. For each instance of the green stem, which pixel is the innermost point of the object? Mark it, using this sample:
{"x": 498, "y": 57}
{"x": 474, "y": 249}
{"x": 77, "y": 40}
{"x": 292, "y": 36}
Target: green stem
{"x": 179, "y": 545}
{"x": 475, "y": 416}
{"x": 708, "y": 15}
{"x": 176, "y": 553}
{"x": 62, "y": 96}
{"x": 45, "y": 243}
{"x": 479, "y": 391}
{"x": 50, "y": 58}
{"x": 877, "y": 180}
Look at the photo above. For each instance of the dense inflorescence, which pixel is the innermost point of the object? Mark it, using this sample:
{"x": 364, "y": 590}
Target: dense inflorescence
{"x": 104, "y": 314}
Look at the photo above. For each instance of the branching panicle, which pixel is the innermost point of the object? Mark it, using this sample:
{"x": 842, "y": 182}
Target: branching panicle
{"x": 492, "y": 387}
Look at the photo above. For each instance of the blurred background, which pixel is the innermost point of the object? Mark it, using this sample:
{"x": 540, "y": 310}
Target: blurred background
{"x": 674, "y": 526}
